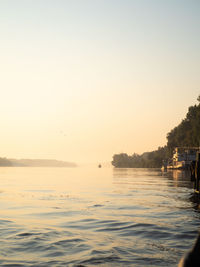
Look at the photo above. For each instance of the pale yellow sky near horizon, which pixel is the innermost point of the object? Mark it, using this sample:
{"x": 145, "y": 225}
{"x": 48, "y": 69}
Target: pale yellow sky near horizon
{"x": 83, "y": 80}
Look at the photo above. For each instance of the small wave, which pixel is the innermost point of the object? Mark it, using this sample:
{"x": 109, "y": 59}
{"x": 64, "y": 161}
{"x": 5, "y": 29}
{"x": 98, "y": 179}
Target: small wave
{"x": 27, "y": 234}
{"x": 68, "y": 242}
{"x": 3, "y": 221}
{"x": 101, "y": 260}
{"x": 97, "y": 205}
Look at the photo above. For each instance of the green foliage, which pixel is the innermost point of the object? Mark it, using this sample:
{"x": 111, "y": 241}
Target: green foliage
{"x": 187, "y": 133}
{"x": 146, "y": 160}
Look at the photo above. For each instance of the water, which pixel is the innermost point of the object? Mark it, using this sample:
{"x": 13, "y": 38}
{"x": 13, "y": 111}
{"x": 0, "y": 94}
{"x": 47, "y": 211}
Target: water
{"x": 88, "y": 216}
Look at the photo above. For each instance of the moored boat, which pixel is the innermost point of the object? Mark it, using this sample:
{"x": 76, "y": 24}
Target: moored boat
{"x": 181, "y": 159}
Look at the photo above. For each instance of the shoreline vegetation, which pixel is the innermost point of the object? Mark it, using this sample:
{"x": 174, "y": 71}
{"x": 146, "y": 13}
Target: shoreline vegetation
{"x": 4, "y": 162}
{"x": 187, "y": 133}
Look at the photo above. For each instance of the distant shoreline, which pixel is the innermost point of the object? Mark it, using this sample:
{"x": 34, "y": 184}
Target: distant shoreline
{"x": 4, "y": 162}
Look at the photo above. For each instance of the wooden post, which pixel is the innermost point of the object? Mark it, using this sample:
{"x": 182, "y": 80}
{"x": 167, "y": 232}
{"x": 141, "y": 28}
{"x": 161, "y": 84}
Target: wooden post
{"x": 197, "y": 173}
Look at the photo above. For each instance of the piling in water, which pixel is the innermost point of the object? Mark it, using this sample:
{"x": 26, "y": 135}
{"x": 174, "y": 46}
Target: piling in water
{"x": 197, "y": 173}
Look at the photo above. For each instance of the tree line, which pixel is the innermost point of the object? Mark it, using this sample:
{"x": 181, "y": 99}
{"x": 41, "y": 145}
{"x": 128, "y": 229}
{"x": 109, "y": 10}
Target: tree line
{"x": 187, "y": 133}
{"x": 4, "y": 162}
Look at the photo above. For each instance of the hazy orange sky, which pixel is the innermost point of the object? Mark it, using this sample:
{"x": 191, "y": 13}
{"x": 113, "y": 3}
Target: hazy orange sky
{"x": 82, "y": 80}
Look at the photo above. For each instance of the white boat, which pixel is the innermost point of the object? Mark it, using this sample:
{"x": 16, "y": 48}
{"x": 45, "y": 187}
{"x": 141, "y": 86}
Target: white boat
{"x": 182, "y": 157}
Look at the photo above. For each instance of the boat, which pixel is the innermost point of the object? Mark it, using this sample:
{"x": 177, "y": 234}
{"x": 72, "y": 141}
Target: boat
{"x": 182, "y": 158}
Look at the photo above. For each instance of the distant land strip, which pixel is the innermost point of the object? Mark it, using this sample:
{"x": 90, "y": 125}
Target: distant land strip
{"x": 4, "y": 162}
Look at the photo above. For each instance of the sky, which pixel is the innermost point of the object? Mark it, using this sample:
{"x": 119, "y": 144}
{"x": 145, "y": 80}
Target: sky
{"x": 82, "y": 80}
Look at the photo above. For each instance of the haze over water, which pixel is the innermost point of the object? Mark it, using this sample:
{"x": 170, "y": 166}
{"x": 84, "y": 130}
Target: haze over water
{"x": 82, "y": 80}
{"x": 89, "y": 216}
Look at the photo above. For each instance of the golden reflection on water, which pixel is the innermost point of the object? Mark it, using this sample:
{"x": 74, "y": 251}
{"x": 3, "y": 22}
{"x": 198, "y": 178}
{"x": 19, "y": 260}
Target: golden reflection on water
{"x": 180, "y": 178}
{"x": 124, "y": 214}
{"x": 180, "y": 174}
{"x": 26, "y": 191}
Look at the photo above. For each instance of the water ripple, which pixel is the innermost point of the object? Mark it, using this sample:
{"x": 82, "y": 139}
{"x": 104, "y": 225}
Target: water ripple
{"x": 139, "y": 218}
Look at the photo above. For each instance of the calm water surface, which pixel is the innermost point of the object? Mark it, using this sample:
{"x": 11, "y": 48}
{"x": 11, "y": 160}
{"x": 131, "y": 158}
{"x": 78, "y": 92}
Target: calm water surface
{"x": 88, "y": 216}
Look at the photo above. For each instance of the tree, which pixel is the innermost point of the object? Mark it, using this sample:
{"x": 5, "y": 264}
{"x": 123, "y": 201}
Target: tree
{"x": 187, "y": 133}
